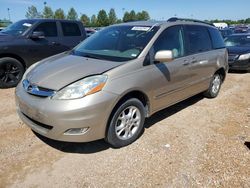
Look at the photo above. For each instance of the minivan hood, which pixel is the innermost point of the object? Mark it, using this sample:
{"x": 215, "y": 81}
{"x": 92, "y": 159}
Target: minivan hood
{"x": 60, "y": 70}
{"x": 238, "y": 49}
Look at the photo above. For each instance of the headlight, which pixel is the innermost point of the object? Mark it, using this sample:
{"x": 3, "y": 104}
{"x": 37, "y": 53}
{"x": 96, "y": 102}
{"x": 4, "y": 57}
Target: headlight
{"x": 244, "y": 56}
{"x": 82, "y": 88}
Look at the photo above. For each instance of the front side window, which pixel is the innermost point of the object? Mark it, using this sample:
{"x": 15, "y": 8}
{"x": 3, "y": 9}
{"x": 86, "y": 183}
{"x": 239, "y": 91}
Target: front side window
{"x": 217, "y": 39}
{"x": 116, "y": 43}
{"x": 48, "y": 28}
{"x": 198, "y": 39}
{"x": 70, "y": 29}
{"x": 171, "y": 39}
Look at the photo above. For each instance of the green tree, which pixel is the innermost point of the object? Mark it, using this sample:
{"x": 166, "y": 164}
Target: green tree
{"x": 93, "y": 20}
{"x": 119, "y": 21}
{"x": 129, "y": 16}
{"x": 85, "y": 19}
{"x": 144, "y": 15}
{"x": 59, "y": 14}
{"x": 132, "y": 15}
{"x": 72, "y": 14}
{"x": 48, "y": 12}
{"x": 247, "y": 21}
{"x": 102, "y": 18}
{"x": 112, "y": 16}
{"x": 32, "y": 13}
{"x": 126, "y": 17}
{"x": 241, "y": 21}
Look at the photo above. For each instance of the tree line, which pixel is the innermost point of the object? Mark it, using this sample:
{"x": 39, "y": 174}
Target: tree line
{"x": 231, "y": 22}
{"x": 102, "y": 19}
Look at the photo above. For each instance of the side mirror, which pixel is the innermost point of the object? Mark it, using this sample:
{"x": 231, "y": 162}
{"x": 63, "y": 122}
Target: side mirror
{"x": 164, "y": 56}
{"x": 37, "y": 35}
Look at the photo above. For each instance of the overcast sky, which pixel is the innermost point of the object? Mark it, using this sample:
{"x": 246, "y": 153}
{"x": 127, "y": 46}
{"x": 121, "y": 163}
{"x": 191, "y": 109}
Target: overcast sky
{"x": 158, "y": 9}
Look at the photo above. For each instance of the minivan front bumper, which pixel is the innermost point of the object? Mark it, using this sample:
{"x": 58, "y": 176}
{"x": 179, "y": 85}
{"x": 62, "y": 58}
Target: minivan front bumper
{"x": 54, "y": 118}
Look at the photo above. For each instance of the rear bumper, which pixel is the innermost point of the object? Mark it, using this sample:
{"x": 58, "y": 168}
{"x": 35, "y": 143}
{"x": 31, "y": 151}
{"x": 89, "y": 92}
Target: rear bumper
{"x": 52, "y": 118}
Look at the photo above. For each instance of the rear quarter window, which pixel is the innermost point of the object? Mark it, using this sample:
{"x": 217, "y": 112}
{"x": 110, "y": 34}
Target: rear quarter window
{"x": 70, "y": 29}
{"x": 216, "y": 37}
{"x": 198, "y": 39}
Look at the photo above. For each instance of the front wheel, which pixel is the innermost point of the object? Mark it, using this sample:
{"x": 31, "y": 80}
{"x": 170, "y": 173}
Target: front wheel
{"x": 11, "y": 72}
{"x": 126, "y": 124}
{"x": 214, "y": 87}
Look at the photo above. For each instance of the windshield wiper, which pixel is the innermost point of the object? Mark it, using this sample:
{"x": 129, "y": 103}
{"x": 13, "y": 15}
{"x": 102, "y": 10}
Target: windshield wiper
{"x": 73, "y": 52}
{"x": 91, "y": 56}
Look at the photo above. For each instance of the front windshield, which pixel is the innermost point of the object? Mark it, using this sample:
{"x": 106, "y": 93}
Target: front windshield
{"x": 116, "y": 43}
{"x": 238, "y": 40}
{"x": 18, "y": 28}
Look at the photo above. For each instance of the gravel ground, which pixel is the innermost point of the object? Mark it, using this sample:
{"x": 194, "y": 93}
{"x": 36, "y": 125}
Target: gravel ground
{"x": 197, "y": 143}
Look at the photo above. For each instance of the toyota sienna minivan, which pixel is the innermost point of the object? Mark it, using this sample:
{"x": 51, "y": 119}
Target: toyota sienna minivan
{"x": 107, "y": 85}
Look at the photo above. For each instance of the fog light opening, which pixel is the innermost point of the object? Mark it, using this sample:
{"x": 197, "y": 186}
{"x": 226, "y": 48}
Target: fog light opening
{"x": 76, "y": 131}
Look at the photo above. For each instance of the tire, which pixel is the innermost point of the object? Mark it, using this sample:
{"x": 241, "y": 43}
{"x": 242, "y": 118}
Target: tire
{"x": 11, "y": 72}
{"x": 214, "y": 87}
{"x": 124, "y": 129}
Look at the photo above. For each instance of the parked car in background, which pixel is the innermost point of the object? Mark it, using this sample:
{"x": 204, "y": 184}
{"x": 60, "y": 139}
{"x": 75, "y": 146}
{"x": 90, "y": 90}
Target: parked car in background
{"x": 238, "y": 46}
{"x": 109, "y": 84}
{"x": 226, "y": 32}
{"x": 28, "y": 41}
{"x": 241, "y": 29}
{"x": 89, "y": 31}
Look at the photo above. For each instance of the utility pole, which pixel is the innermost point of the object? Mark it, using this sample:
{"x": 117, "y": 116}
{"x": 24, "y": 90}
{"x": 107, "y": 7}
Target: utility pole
{"x": 44, "y": 3}
{"x": 8, "y": 13}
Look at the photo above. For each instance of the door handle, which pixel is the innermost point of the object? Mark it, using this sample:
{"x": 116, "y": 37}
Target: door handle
{"x": 185, "y": 63}
{"x": 194, "y": 61}
{"x": 55, "y": 43}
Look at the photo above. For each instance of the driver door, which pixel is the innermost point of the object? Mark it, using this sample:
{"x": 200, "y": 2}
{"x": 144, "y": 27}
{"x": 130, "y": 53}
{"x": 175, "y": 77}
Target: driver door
{"x": 170, "y": 80}
{"x": 41, "y": 48}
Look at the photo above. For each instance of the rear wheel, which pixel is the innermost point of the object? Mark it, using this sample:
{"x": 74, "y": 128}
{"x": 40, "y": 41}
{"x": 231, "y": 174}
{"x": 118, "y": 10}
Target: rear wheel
{"x": 126, "y": 124}
{"x": 214, "y": 87}
{"x": 11, "y": 72}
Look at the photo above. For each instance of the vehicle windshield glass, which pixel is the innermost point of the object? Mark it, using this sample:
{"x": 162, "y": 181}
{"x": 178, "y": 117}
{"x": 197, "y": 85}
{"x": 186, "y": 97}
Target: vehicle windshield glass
{"x": 18, "y": 28}
{"x": 240, "y": 40}
{"x": 116, "y": 43}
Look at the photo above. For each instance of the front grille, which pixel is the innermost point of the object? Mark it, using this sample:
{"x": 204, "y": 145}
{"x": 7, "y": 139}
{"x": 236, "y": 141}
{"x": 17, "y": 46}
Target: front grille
{"x": 48, "y": 127}
{"x": 37, "y": 90}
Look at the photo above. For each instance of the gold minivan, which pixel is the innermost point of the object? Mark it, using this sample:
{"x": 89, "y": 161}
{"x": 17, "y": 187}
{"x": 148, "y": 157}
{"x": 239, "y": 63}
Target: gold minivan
{"x": 107, "y": 85}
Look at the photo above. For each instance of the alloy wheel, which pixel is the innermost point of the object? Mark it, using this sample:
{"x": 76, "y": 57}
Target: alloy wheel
{"x": 128, "y": 122}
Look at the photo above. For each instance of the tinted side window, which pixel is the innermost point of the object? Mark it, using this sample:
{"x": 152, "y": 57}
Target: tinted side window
{"x": 49, "y": 29}
{"x": 70, "y": 29}
{"x": 217, "y": 39}
{"x": 198, "y": 39}
{"x": 171, "y": 39}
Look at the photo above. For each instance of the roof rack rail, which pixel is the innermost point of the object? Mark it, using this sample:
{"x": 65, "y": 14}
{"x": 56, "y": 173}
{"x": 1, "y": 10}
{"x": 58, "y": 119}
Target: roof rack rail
{"x": 174, "y": 19}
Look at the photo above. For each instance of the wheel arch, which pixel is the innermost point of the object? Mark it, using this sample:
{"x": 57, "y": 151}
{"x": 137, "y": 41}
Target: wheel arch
{"x": 15, "y": 57}
{"x": 222, "y": 72}
{"x": 141, "y": 96}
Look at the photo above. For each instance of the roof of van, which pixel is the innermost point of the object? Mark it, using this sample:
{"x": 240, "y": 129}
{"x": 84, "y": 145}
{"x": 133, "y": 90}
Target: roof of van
{"x": 158, "y": 23}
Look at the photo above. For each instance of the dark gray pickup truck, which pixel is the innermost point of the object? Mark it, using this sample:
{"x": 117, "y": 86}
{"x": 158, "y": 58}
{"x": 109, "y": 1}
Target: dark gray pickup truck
{"x": 28, "y": 41}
